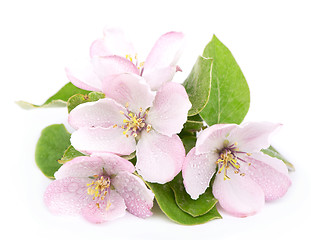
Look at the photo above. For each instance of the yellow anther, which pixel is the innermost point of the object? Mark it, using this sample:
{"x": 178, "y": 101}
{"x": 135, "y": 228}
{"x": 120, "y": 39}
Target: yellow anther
{"x": 148, "y": 128}
{"x": 248, "y": 154}
{"x": 127, "y": 105}
{"x": 125, "y": 132}
{"x": 122, "y": 112}
{"x": 140, "y": 65}
{"x": 129, "y": 57}
{"x": 108, "y": 205}
{"x": 114, "y": 126}
{"x": 226, "y": 177}
{"x": 220, "y": 170}
{"x": 98, "y": 188}
{"x": 226, "y": 160}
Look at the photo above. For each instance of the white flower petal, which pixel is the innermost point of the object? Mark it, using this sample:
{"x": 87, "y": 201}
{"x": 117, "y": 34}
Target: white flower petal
{"x": 170, "y": 108}
{"x": 197, "y": 172}
{"x": 98, "y": 139}
{"x": 159, "y": 157}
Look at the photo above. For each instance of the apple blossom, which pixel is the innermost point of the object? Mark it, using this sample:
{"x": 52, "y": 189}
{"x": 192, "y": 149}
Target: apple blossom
{"x": 245, "y": 177}
{"x": 114, "y": 54}
{"x": 100, "y": 188}
{"x": 131, "y": 118}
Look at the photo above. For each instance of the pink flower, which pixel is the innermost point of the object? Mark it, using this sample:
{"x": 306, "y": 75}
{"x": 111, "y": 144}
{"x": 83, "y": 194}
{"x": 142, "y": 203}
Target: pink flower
{"x": 114, "y": 54}
{"x": 245, "y": 177}
{"x": 131, "y": 118}
{"x": 99, "y": 188}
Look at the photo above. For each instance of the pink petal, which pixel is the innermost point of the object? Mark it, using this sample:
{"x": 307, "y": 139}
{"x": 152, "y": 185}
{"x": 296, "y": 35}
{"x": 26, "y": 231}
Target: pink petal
{"x": 138, "y": 198}
{"x": 80, "y": 167}
{"x": 102, "y": 113}
{"x": 98, "y": 215}
{"x": 156, "y": 77}
{"x": 239, "y": 195}
{"x": 159, "y": 157}
{"x": 253, "y": 136}
{"x": 67, "y": 196}
{"x": 131, "y": 89}
{"x": 113, "y": 164}
{"x": 89, "y": 166}
{"x": 114, "y": 42}
{"x": 160, "y": 65}
{"x": 98, "y": 139}
{"x": 170, "y": 109}
{"x": 270, "y": 174}
{"x": 108, "y": 66}
{"x": 197, "y": 172}
{"x": 166, "y": 51}
{"x": 84, "y": 77}
{"x": 213, "y": 138}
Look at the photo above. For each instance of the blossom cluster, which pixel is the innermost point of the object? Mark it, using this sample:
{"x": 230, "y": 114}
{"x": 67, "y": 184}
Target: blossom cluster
{"x": 132, "y": 138}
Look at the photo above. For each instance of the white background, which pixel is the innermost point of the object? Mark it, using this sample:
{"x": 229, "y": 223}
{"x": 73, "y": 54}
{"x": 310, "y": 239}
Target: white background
{"x": 271, "y": 42}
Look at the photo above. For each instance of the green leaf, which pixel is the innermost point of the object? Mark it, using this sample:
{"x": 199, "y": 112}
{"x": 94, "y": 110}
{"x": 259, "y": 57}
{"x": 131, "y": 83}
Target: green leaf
{"x": 59, "y": 99}
{"x": 129, "y": 157}
{"x": 166, "y": 201}
{"x": 198, "y": 84}
{"x": 70, "y": 154}
{"x": 52, "y": 144}
{"x": 229, "y": 97}
{"x": 77, "y": 99}
{"x": 272, "y": 152}
{"x": 189, "y": 142}
{"x": 193, "y": 123}
{"x": 197, "y": 207}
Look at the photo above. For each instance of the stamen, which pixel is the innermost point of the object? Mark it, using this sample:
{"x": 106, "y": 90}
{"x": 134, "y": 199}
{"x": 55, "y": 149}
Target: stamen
{"x": 134, "y": 123}
{"x": 140, "y": 65}
{"x": 228, "y": 157}
{"x": 129, "y": 57}
{"x": 108, "y": 205}
{"x": 148, "y": 128}
{"x": 99, "y": 189}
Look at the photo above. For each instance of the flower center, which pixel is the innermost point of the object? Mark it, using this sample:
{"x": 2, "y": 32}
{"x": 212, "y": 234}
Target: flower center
{"x": 135, "y": 61}
{"x": 134, "y": 123}
{"x": 228, "y": 157}
{"x": 99, "y": 189}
